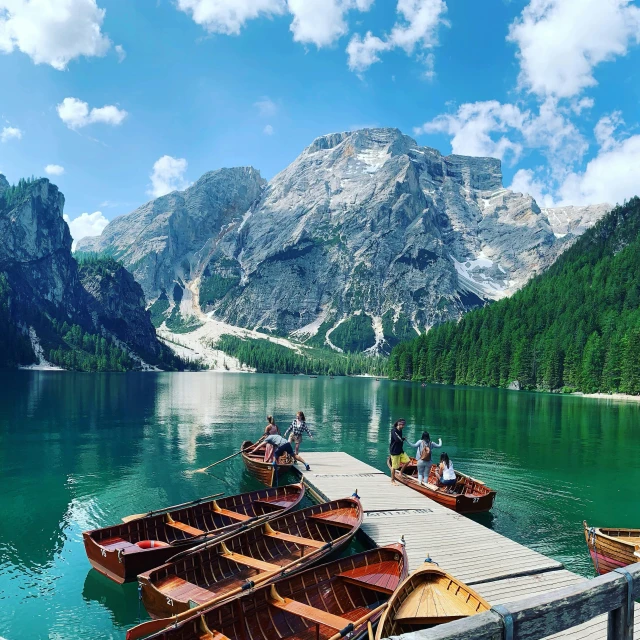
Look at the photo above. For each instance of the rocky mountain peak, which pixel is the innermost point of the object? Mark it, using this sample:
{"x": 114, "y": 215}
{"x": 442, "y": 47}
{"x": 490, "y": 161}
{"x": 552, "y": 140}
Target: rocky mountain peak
{"x": 4, "y": 184}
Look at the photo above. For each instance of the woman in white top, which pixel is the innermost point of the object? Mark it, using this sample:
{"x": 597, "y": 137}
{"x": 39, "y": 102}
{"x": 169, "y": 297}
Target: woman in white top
{"x": 445, "y": 472}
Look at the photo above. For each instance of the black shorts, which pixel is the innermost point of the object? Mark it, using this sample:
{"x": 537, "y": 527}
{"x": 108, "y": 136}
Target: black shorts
{"x": 285, "y": 448}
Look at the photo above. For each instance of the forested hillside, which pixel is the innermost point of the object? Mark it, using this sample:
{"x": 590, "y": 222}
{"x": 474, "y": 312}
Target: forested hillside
{"x": 575, "y": 327}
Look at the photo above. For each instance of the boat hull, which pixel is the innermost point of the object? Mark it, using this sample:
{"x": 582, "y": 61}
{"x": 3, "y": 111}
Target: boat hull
{"x": 265, "y": 471}
{"x": 335, "y": 594}
{"x": 475, "y": 497}
{"x": 428, "y": 597}
{"x": 260, "y": 555}
{"x": 113, "y": 550}
{"x": 612, "y": 548}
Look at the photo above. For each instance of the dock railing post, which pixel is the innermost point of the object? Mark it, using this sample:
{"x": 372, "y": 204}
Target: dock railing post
{"x": 620, "y": 622}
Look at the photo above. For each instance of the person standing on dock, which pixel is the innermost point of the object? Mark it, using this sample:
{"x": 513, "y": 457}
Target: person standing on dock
{"x": 424, "y": 451}
{"x": 296, "y": 429}
{"x": 399, "y": 459}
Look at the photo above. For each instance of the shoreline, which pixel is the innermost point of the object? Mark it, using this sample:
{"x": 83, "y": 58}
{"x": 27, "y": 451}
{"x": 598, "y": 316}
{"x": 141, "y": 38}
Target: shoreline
{"x": 619, "y": 397}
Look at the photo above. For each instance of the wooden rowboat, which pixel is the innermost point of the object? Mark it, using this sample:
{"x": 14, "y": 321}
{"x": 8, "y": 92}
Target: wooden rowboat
{"x": 317, "y": 603}
{"x": 429, "y": 596}
{"x": 123, "y": 551}
{"x": 216, "y": 571}
{"x": 468, "y": 495}
{"x": 264, "y": 471}
{"x": 612, "y": 548}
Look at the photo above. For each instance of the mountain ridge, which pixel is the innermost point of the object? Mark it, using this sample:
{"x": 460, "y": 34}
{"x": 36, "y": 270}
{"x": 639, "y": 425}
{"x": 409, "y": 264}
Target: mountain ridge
{"x": 364, "y": 222}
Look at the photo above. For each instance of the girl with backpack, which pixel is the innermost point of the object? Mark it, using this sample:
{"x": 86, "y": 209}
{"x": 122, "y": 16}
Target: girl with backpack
{"x": 424, "y": 448}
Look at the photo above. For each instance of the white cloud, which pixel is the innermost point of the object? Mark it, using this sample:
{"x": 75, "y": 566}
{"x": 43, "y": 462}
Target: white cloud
{"x": 266, "y": 107}
{"x": 578, "y": 106}
{"x": 606, "y": 127}
{"x": 10, "y": 133}
{"x": 85, "y": 225}
{"x": 525, "y": 181}
{"x": 52, "y": 32}
{"x": 121, "y": 53}
{"x": 229, "y": 16}
{"x": 322, "y": 22}
{"x": 76, "y": 114}
{"x": 502, "y": 131}
{"x": 560, "y": 42}
{"x": 417, "y": 26}
{"x": 168, "y": 175}
{"x": 268, "y": 130}
{"x": 54, "y": 170}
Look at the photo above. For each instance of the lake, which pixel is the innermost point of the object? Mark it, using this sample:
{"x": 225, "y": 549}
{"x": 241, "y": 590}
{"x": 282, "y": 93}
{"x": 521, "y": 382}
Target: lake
{"x": 79, "y": 451}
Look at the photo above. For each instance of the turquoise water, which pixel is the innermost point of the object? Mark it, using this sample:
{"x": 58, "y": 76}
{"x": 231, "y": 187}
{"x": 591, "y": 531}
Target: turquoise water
{"x": 79, "y": 451}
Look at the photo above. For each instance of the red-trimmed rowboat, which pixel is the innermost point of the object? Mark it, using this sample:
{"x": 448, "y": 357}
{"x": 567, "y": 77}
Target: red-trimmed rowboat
{"x": 612, "y": 548}
{"x": 317, "y": 603}
{"x": 123, "y": 551}
{"x": 468, "y": 495}
{"x": 264, "y": 471}
{"x": 216, "y": 571}
{"x": 429, "y": 596}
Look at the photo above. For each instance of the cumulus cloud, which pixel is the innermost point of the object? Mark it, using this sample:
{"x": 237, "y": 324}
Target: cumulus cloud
{"x": 526, "y": 181}
{"x": 52, "y": 32}
{"x": 322, "y": 22}
{"x": 417, "y": 25}
{"x": 560, "y": 42}
{"x": 10, "y": 133}
{"x": 229, "y": 16}
{"x": 76, "y": 114}
{"x": 503, "y": 131}
{"x": 168, "y": 175}
{"x": 85, "y": 225}
{"x": 54, "y": 170}
{"x": 120, "y": 52}
{"x": 266, "y": 107}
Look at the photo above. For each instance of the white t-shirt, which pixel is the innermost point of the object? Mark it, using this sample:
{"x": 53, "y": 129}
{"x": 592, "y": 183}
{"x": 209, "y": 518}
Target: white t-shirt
{"x": 449, "y": 473}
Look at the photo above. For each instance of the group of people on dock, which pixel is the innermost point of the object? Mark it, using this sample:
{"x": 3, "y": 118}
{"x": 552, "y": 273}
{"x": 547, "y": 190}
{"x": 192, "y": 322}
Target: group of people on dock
{"x": 278, "y": 445}
{"x": 445, "y": 474}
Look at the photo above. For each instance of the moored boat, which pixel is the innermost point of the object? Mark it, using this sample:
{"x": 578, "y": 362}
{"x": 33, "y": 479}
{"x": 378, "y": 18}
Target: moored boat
{"x": 218, "y": 570}
{"x": 266, "y": 472}
{"x": 612, "y": 548}
{"x": 428, "y": 597}
{"x": 124, "y": 550}
{"x": 468, "y": 495}
{"x": 318, "y": 603}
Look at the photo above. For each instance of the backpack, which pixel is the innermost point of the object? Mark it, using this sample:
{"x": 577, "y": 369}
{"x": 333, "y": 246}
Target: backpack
{"x": 425, "y": 454}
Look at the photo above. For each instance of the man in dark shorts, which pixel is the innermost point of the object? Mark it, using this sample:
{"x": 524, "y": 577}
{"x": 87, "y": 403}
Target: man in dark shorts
{"x": 281, "y": 446}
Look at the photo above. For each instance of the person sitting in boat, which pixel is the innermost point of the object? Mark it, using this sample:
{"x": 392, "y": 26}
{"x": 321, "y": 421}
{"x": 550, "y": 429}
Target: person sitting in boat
{"x": 281, "y": 446}
{"x": 445, "y": 473}
{"x": 296, "y": 429}
{"x": 399, "y": 459}
{"x": 424, "y": 450}
{"x": 270, "y": 430}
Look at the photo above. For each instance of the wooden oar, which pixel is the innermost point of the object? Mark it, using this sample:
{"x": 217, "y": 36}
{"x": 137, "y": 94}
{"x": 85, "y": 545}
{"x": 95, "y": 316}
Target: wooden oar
{"x": 135, "y": 516}
{"x": 233, "y": 455}
{"x": 153, "y": 626}
{"x": 354, "y": 625}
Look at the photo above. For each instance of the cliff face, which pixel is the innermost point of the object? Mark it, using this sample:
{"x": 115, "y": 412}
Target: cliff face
{"x": 363, "y": 224}
{"x": 44, "y": 279}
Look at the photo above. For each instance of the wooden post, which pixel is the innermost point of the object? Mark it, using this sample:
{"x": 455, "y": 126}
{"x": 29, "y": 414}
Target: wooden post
{"x": 620, "y": 622}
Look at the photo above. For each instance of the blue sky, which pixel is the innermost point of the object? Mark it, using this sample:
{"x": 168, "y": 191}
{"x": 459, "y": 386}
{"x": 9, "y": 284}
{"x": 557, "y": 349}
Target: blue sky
{"x": 122, "y": 100}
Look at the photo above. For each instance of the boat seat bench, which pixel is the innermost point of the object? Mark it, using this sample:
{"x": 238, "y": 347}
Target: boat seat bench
{"x": 376, "y": 581}
{"x": 230, "y": 514}
{"x": 113, "y": 544}
{"x": 248, "y": 561}
{"x": 311, "y": 613}
{"x": 192, "y": 531}
{"x": 287, "y": 537}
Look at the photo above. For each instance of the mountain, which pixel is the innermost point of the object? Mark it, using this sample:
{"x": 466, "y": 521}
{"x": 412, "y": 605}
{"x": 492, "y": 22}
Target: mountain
{"x": 575, "y": 327}
{"x": 365, "y": 239}
{"x": 90, "y": 316}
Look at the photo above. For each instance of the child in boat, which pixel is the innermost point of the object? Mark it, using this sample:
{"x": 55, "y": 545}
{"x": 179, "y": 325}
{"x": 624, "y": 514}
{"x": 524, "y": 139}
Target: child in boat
{"x": 446, "y": 474}
{"x": 269, "y": 430}
{"x": 296, "y": 429}
{"x": 424, "y": 450}
{"x": 399, "y": 459}
{"x": 282, "y": 446}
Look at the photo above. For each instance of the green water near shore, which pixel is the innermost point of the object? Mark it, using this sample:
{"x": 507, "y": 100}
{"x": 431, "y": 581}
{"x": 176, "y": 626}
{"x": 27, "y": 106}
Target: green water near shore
{"x": 79, "y": 451}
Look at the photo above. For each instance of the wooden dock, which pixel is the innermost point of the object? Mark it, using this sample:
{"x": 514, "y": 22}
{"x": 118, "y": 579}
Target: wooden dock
{"x": 500, "y": 569}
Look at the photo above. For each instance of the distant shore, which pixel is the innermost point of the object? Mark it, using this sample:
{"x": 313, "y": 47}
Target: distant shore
{"x": 624, "y": 397}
